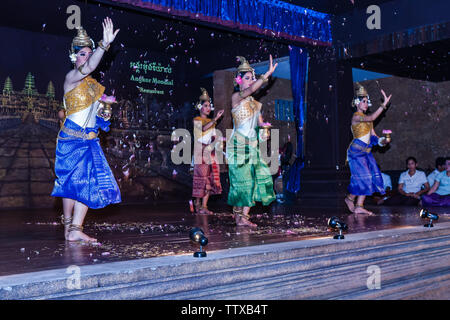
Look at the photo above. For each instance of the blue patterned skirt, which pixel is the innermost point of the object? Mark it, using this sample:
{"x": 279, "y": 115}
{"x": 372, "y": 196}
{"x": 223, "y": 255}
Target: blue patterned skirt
{"x": 82, "y": 172}
{"x": 366, "y": 177}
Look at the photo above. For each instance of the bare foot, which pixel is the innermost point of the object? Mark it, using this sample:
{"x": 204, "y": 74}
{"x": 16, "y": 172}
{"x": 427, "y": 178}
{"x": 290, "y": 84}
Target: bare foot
{"x": 79, "y": 236}
{"x": 363, "y": 211}
{"x": 242, "y": 221}
{"x": 205, "y": 211}
{"x": 350, "y": 204}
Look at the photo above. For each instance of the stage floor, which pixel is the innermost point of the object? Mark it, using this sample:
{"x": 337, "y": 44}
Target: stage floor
{"x": 33, "y": 240}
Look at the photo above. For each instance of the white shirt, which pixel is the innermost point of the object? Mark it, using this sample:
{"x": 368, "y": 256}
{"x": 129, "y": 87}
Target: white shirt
{"x": 386, "y": 181}
{"x": 412, "y": 184}
{"x": 432, "y": 176}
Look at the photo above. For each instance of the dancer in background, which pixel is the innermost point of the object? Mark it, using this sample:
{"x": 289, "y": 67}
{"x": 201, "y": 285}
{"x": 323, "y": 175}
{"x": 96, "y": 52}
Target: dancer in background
{"x": 366, "y": 177}
{"x": 83, "y": 177}
{"x": 206, "y": 179}
{"x": 250, "y": 177}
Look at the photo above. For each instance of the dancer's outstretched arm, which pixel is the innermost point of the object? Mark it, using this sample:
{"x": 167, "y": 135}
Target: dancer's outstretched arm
{"x": 238, "y": 96}
{"x": 376, "y": 114}
{"x": 91, "y": 64}
{"x": 381, "y": 141}
{"x": 211, "y": 123}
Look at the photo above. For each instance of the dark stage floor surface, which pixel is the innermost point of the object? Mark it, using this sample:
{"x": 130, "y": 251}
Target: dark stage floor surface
{"x": 33, "y": 240}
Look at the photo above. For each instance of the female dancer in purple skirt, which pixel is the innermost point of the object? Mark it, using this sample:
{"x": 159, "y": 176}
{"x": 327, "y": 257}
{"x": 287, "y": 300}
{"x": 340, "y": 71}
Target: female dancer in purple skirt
{"x": 366, "y": 177}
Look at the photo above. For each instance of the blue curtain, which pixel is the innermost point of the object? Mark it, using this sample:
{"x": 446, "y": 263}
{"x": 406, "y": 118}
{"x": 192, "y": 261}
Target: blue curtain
{"x": 299, "y": 79}
{"x": 271, "y": 17}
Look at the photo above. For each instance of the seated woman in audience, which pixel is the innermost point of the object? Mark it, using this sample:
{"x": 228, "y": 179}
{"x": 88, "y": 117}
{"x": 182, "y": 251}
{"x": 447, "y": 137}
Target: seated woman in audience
{"x": 439, "y": 194}
{"x": 440, "y": 166}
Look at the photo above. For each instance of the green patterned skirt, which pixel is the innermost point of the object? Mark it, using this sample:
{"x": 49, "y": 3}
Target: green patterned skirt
{"x": 250, "y": 178}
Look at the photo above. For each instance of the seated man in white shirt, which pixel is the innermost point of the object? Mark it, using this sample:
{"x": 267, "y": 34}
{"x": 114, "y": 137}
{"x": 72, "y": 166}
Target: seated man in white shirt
{"x": 410, "y": 186}
{"x": 440, "y": 166}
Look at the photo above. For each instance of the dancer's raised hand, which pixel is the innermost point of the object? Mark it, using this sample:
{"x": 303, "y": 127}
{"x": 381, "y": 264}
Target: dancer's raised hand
{"x": 385, "y": 98}
{"x": 272, "y": 67}
{"x": 108, "y": 31}
{"x": 219, "y": 114}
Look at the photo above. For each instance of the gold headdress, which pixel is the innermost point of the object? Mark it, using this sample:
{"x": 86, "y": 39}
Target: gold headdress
{"x": 244, "y": 67}
{"x": 80, "y": 40}
{"x": 360, "y": 92}
{"x": 204, "y": 97}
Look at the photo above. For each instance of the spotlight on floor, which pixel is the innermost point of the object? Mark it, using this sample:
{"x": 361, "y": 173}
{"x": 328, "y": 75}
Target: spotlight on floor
{"x": 197, "y": 235}
{"x": 425, "y": 214}
{"x": 335, "y": 224}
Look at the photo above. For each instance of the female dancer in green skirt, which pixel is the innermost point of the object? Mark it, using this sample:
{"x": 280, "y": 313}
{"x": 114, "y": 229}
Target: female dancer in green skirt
{"x": 250, "y": 178}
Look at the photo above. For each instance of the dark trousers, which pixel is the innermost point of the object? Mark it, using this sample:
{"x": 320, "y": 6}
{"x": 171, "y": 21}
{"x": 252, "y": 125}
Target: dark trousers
{"x": 401, "y": 200}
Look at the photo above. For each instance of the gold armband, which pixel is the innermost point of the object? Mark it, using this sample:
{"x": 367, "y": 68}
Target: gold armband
{"x": 100, "y": 44}
{"x": 264, "y": 79}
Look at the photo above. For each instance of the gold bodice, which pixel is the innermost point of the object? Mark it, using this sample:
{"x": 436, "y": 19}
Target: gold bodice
{"x": 245, "y": 110}
{"x": 83, "y": 95}
{"x": 361, "y": 128}
{"x": 198, "y": 131}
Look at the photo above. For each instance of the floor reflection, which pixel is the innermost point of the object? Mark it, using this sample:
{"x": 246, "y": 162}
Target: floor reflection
{"x": 33, "y": 240}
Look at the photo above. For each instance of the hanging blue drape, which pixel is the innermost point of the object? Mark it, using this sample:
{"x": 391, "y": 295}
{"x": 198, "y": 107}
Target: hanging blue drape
{"x": 268, "y": 17}
{"x": 299, "y": 78}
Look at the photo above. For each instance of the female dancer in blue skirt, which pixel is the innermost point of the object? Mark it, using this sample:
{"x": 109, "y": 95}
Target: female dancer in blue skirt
{"x": 365, "y": 175}
{"x": 83, "y": 177}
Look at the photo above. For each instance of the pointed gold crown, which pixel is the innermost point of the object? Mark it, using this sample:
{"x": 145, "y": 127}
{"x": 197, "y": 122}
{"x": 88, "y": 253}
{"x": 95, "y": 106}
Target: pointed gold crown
{"x": 244, "y": 66}
{"x": 82, "y": 40}
{"x": 204, "y": 96}
{"x": 361, "y": 92}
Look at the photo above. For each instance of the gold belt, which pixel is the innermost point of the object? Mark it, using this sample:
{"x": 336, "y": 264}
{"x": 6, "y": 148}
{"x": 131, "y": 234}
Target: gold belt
{"x": 364, "y": 149}
{"x": 79, "y": 134}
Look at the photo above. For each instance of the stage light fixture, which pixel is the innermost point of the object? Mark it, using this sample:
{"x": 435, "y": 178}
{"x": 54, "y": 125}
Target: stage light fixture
{"x": 197, "y": 235}
{"x": 425, "y": 214}
{"x": 335, "y": 224}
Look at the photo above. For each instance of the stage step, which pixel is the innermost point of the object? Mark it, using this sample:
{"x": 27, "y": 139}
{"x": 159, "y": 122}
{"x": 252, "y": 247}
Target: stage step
{"x": 414, "y": 263}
